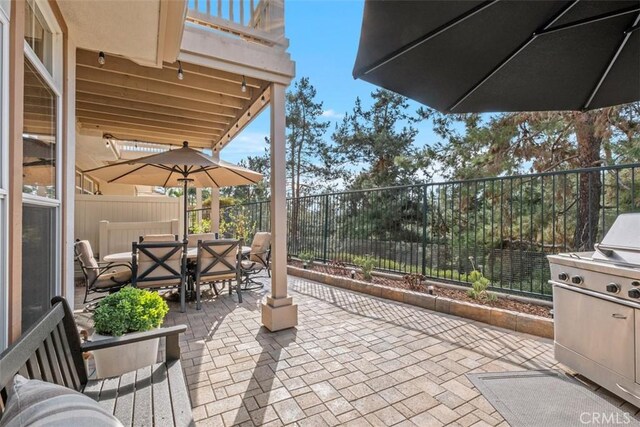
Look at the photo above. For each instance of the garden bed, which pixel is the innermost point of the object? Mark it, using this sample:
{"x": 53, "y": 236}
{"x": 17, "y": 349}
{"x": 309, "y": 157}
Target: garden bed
{"x": 454, "y": 294}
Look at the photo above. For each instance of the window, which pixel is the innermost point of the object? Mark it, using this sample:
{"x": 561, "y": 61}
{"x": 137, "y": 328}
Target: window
{"x": 84, "y": 184}
{"x": 41, "y": 174}
{"x": 38, "y": 35}
{"x": 39, "y": 135}
{"x": 39, "y": 261}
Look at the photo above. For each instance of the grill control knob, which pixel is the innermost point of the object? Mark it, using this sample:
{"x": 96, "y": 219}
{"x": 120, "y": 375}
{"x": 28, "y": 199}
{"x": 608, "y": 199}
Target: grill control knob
{"x": 563, "y": 276}
{"x": 576, "y": 280}
{"x": 634, "y": 293}
{"x": 614, "y": 288}
{"x": 635, "y": 283}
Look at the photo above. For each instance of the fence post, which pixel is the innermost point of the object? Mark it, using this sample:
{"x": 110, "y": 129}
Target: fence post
{"x": 260, "y": 216}
{"x": 325, "y": 246}
{"x": 424, "y": 230}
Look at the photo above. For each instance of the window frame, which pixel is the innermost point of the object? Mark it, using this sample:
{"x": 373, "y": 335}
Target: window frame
{"x": 4, "y": 181}
{"x": 54, "y": 80}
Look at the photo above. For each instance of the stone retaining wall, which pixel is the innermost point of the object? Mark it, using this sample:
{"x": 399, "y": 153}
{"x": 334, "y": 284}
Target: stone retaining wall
{"x": 507, "y": 319}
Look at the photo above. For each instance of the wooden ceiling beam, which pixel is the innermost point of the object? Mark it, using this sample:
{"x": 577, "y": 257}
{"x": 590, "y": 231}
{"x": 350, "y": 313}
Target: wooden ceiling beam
{"x": 259, "y": 103}
{"x": 84, "y": 87}
{"x": 161, "y": 125}
{"x": 138, "y": 134}
{"x": 160, "y": 88}
{"x": 193, "y": 69}
{"x": 143, "y": 107}
{"x": 153, "y": 127}
{"x": 167, "y": 76}
{"x": 164, "y": 118}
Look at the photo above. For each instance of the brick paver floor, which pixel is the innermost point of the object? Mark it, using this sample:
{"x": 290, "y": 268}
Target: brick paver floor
{"x": 352, "y": 360}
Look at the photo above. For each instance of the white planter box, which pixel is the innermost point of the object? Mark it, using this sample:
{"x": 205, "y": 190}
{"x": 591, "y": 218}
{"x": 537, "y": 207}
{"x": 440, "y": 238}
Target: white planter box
{"x": 115, "y": 361}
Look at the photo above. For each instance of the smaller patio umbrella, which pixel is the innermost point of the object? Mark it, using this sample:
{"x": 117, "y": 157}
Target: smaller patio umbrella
{"x": 175, "y": 168}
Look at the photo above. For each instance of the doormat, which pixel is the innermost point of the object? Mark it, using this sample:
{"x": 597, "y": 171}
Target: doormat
{"x": 548, "y": 398}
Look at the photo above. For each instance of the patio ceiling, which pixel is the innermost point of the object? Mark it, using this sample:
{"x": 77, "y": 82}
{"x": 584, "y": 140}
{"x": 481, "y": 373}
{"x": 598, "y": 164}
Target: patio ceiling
{"x": 129, "y": 101}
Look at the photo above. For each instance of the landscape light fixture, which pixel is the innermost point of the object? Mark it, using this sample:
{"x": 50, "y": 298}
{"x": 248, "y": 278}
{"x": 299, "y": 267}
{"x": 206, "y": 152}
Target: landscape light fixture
{"x": 101, "y": 58}
{"x": 180, "y": 72}
{"x": 244, "y": 85}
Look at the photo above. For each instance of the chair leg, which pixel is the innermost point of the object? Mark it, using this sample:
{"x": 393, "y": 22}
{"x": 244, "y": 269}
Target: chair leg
{"x": 198, "y": 306}
{"x": 238, "y": 286}
{"x": 183, "y": 303}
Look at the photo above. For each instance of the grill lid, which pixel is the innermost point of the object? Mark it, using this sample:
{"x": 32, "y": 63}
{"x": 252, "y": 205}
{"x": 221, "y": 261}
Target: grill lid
{"x": 621, "y": 244}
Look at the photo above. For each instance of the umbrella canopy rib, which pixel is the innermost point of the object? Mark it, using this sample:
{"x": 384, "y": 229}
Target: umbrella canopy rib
{"x": 412, "y": 45}
{"x": 126, "y": 173}
{"x": 513, "y": 54}
{"x": 591, "y": 20}
{"x": 210, "y": 177}
{"x": 239, "y": 174}
{"x": 168, "y": 178}
{"x": 625, "y": 39}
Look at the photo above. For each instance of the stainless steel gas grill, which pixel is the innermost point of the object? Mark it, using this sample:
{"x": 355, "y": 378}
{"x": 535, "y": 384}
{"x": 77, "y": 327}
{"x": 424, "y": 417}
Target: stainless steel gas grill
{"x": 596, "y": 301}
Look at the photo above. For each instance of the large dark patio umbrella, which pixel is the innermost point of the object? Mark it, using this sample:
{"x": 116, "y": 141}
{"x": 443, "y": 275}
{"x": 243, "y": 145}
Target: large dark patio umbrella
{"x": 481, "y": 56}
{"x": 181, "y": 167}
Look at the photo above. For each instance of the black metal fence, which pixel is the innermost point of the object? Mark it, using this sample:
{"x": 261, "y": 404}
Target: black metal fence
{"x": 503, "y": 226}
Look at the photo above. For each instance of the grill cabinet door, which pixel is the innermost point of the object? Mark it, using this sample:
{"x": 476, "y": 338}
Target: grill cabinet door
{"x": 599, "y": 330}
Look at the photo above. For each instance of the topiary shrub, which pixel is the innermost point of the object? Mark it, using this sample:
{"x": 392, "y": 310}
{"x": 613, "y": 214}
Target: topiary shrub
{"x": 129, "y": 310}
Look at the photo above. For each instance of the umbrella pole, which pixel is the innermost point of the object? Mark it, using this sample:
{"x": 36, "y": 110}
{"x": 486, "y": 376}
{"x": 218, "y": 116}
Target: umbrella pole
{"x": 184, "y": 219}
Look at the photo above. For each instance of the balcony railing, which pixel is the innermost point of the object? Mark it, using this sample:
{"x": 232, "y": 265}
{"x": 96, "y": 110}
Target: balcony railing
{"x": 256, "y": 21}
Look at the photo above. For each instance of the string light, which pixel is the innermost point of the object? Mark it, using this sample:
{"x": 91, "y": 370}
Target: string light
{"x": 244, "y": 85}
{"x": 263, "y": 100}
{"x": 180, "y": 72}
{"x": 101, "y": 58}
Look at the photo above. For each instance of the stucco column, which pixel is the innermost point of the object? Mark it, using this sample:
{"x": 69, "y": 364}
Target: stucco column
{"x": 215, "y": 202}
{"x": 278, "y": 312}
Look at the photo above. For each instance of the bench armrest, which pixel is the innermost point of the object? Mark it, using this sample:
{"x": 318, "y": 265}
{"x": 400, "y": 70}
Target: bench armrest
{"x": 172, "y": 333}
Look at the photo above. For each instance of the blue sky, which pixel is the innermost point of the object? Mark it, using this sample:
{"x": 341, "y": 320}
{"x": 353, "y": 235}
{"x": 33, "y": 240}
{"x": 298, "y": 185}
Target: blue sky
{"x": 324, "y": 38}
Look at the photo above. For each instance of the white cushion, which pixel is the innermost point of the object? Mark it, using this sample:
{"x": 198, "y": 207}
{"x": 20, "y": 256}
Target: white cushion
{"x": 37, "y": 403}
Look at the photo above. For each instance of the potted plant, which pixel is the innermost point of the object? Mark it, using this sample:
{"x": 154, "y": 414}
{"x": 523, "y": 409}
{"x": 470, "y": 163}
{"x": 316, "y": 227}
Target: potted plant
{"x": 126, "y": 311}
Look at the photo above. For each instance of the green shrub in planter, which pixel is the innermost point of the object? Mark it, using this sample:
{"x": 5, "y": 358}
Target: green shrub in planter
{"x": 307, "y": 258}
{"x": 129, "y": 310}
{"x": 367, "y": 264}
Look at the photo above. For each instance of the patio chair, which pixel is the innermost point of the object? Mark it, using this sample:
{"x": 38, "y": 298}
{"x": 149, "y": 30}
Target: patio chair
{"x": 160, "y": 265}
{"x": 258, "y": 260}
{"x": 218, "y": 261}
{"x": 158, "y": 238}
{"x": 193, "y": 238}
{"x": 100, "y": 277}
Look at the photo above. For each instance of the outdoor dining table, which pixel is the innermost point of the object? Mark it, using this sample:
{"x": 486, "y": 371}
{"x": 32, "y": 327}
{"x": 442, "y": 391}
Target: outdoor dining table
{"x": 191, "y": 254}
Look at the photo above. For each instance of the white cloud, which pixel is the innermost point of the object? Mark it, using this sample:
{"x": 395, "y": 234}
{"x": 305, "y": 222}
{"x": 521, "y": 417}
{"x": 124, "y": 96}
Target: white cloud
{"x": 245, "y": 144}
{"x": 331, "y": 114}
